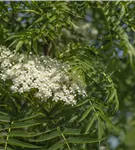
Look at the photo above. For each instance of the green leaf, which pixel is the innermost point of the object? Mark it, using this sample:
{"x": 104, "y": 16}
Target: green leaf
{"x": 86, "y": 113}
{"x": 106, "y": 119}
{"x": 24, "y": 124}
{"x": 52, "y": 19}
{"x": 81, "y": 103}
{"x": 4, "y": 118}
{"x": 3, "y": 134}
{"x": 57, "y": 145}
{"x": 73, "y": 118}
{"x": 13, "y": 43}
{"x": 112, "y": 95}
{"x": 21, "y": 144}
{"x": 70, "y": 131}
{"x": 2, "y": 141}
{"x": 30, "y": 11}
{"x": 47, "y": 136}
{"x": 19, "y": 45}
{"x": 99, "y": 108}
{"x": 3, "y": 113}
{"x": 2, "y": 6}
{"x": 37, "y": 21}
{"x": 91, "y": 121}
{"x": 123, "y": 11}
{"x": 100, "y": 129}
{"x": 4, "y": 127}
{"x": 30, "y": 117}
{"x": 9, "y": 148}
{"x": 63, "y": 6}
{"x": 23, "y": 134}
{"x": 12, "y": 36}
{"x": 82, "y": 140}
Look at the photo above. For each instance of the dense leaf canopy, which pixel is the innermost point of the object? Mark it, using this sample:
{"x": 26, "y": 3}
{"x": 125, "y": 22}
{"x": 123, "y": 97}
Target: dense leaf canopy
{"x": 97, "y": 40}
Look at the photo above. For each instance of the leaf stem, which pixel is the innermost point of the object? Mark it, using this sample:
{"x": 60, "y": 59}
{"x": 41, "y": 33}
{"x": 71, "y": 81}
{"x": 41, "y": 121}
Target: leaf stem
{"x": 64, "y": 139}
{"x": 8, "y": 136}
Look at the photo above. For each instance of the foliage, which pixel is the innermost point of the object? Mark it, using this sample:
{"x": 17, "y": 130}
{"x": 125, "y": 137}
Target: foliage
{"x": 97, "y": 40}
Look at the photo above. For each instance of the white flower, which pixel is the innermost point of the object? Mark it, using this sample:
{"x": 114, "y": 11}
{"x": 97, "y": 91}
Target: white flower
{"x": 48, "y": 76}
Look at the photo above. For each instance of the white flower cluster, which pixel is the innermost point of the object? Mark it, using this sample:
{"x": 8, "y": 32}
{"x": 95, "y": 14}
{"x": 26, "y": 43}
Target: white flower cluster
{"x": 47, "y": 76}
